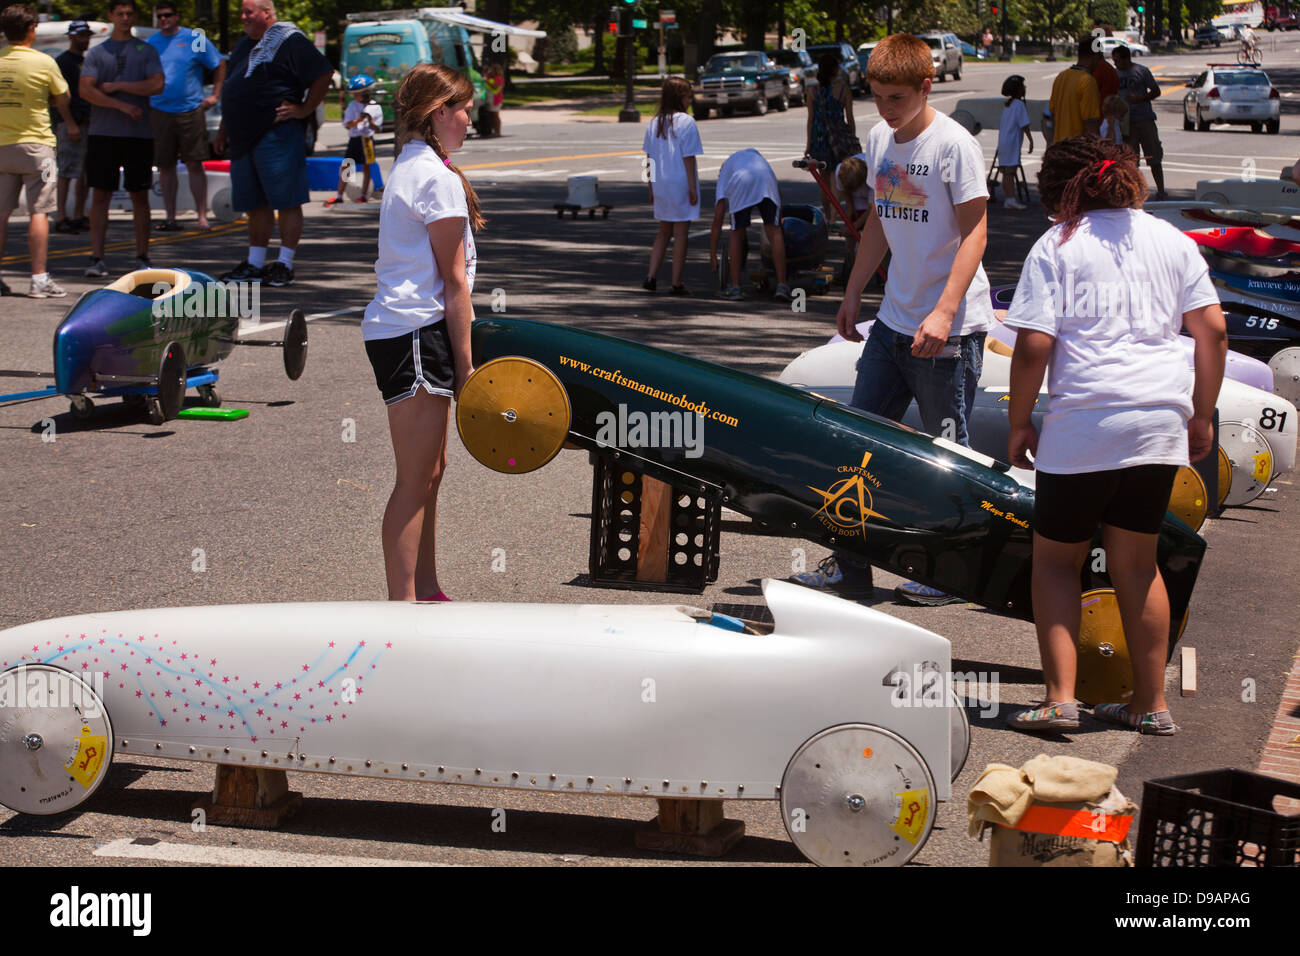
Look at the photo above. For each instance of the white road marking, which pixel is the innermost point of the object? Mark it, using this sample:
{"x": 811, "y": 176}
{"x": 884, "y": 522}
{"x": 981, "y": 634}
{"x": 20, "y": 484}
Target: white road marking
{"x": 270, "y": 326}
{"x": 237, "y": 856}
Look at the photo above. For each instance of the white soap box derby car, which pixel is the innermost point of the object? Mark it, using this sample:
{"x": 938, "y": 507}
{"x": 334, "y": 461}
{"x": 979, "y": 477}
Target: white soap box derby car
{"x": 826, "y": 713}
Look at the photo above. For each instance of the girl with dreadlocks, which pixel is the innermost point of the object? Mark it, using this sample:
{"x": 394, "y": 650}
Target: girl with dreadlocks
{"x": 416, "y": 328}
{"x": 1102, "y": 297}
{"x": 671, "y": 144}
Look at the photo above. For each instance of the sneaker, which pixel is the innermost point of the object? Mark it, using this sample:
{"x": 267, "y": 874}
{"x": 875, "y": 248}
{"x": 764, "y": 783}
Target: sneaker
{"x": 924, "y": 595}
{"x": 679, "y": 289}
{"x": 1158, "y": 723}
{"x": 244, "y": 272}
{"x": 67, "y": 227}
{"x": 846, "y": 580}
{"x": 142, "y": 262}
{"x": 278, "y": 274}
{"x": 1014, "y": 204}
{"x": 650, "y": 284}
{"x": 95, "y": 269}
{"x": 333, "y": 201}
{"x": 733, "y": 293}
{"x": 45, "y": 288}
{"x": 1046, "y": 717}
{"x": 783, "y": 292}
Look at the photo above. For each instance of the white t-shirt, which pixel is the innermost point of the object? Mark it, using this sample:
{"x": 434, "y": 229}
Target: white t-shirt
{"x": 917, "y": 185}
{"x": 861, "y": 197}
{"x": 354, "y": 111}
{"x": 668, "y": 157}
{"x": 1112, "y": 130}
{"x": 420, "y": 190}
{"x": 745, "y": 180}
{"x": 1011, "y": 132}
{"x": 1113, "y": 297}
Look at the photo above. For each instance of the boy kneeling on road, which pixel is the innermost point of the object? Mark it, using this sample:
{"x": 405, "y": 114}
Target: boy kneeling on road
{"x": 929, "y": 210}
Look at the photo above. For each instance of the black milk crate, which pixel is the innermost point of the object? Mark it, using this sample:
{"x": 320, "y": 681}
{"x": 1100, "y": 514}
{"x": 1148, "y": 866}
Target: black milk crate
{"x": 695, "y": 531}
{"x": 1217, "y": 818}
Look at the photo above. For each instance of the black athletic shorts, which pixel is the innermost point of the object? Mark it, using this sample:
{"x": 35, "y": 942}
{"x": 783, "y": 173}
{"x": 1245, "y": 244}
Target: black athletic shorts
{"x": 405, "y": 363}
{"x": 767, "y": 209}
{"x": 1068, "y": 508}
{"x": 106, "y": 155}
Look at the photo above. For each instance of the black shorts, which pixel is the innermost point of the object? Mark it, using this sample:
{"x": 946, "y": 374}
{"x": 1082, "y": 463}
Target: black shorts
{"x": 1068, "y": 508}
{"x": 356, "y": 151}
{"x": 105, "y": 155}
{"x": 767, "y": 209}
{"x": 408, "y": 361}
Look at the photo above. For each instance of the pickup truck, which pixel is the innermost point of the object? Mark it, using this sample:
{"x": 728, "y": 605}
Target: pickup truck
{"x": 747, "y": 79}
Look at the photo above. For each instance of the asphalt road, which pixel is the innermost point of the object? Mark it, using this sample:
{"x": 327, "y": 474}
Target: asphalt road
{"x": 286, "y": 508}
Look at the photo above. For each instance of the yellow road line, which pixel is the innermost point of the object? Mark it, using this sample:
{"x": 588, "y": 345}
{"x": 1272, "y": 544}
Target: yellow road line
{"x": 1170, "y": 89}
{"x": 154, "y": 240}
{"x": 552, "y": 159}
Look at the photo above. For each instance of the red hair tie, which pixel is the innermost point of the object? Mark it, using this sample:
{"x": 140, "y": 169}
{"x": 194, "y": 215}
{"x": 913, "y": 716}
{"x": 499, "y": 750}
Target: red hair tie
{"x": 1109, "y": 162}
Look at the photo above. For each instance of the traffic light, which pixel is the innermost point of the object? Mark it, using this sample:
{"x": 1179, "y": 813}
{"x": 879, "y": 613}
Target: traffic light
{"x": 994, "y": 9}
{"x": 614, "y": 14}
{"x": 1141, "y": 9}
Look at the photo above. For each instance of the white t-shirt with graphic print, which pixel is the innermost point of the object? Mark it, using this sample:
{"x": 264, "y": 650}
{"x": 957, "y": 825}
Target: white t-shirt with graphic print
{"x": 420, "y": 190}
{"x": 916, "y": 187}
{"x": 1113, "y": 297}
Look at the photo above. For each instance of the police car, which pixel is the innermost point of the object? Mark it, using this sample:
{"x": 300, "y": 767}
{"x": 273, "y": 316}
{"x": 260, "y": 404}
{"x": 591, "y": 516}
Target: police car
{"x": 1238, "y": 95}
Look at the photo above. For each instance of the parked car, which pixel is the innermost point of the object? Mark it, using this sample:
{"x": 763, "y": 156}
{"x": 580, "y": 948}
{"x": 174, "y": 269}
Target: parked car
{"x": 855, "y": 75}
{"x": 1208, "y": 35}
{"x": 946, "y": 50}
{"x": 1237, "y": 95}
{"x": 749, "y": 79}
{"x": 1107, "y": 46}
{"x": 1285, "y": 21}
{"x": 803, "y": 73}
{"x": 970, "y": 51}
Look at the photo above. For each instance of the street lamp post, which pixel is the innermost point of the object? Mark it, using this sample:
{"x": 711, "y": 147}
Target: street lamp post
{"x": 629, "y": 113}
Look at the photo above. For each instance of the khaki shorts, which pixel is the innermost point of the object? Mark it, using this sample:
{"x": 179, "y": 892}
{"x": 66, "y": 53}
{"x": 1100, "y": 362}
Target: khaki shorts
{"x": 71, "y": 156}
{"x": 29, "y": 165}
{"x": 183, "y": 135}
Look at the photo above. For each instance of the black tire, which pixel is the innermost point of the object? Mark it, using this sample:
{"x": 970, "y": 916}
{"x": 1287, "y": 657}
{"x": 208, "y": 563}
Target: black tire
{"x": 155, "y": 412}
{"x": 1188, "y": 125}
{"x": 957, "y": 73}
{"x": 82, "y": 407}
{"x": 1201, "y": 125}
{"x": 942, "y": 76}
{"x": 209, "y": 397}
{"x": 1273, "y": 126}
{"x": 783, "y": 101}
{"x": 294, "y": 349}
{"x": 760, "y": 104}
{"x": 1257, "y": 127}
{"x": 701, "y": 112}
{"x": 171, "y": 383}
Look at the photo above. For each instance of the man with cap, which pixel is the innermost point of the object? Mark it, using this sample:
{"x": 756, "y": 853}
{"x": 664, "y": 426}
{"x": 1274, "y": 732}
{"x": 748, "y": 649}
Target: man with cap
{"x": 71, "y": 153}
{"x": 180, "y": 129}
{"x": 29, "y": 82}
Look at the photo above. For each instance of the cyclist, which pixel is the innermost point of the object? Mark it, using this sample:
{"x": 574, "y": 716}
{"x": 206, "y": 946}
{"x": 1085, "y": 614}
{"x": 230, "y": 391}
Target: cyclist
{"x": 1249, "y": 50}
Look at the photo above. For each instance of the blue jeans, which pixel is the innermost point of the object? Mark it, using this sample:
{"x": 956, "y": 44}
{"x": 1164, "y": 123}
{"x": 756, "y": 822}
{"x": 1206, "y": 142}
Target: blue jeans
{"x": 890, "y": 376}
{"x": 274, "y": 173}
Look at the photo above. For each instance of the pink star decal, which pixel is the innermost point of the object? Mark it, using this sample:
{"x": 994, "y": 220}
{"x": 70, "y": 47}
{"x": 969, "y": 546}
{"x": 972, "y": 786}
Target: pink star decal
{"x": 305, "y": 667}
{"x": 278, "y": 685}
{"x": 123, "y": 667}
{"x": 329, "y": 717}
{"x": 363, "y": 643}
{"x": 297, "y": 696}
{"x": 284, "y": 723}
{"x": 331, "y": 643}
{"x": 259, "y": 711}
{"x": 202, "y": 718}
{"x": 225, "y": 680}
{"x": 389, "y": 644}
{"x": 198, "y": 683}
{"x": 320, "y": 683}
{"x": 213, "y": 662}
{"x": 139, "y": 693}
{"x": 254, "y": 740}
{"x": 230, "y": 713}
{"x": 85, "y": 666}
{"x": 183, "y": 656}
{"x": 101, "y": 640}
{"x": 256, "y": 684}
{"x": 163, "y": 722}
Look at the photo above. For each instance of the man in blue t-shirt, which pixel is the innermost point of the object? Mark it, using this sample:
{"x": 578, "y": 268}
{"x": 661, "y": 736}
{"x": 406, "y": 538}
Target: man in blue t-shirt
{"x": 117, "y": 80}
{"x": 276, "y": 80}
{"x": 177, "y": 113}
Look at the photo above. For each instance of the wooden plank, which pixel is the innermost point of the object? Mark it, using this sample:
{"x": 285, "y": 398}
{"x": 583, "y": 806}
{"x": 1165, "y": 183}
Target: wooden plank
{"x": 1188, "y": 670}
{"x": 696, "y": 827}
{"x": 656, "y": 526}
{"x": 249, "y": 797}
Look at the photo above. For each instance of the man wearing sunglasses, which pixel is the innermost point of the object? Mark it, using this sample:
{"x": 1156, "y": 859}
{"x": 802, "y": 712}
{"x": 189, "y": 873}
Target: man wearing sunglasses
{"x": 179, "y": 127}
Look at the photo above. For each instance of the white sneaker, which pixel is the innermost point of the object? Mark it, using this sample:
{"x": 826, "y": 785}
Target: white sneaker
{"x": 1014, "y": 204}
{"x": 95, "y": 269}
{"x": 45, "y": 289}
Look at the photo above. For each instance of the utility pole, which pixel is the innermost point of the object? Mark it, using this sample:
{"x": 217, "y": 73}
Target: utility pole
{"x": 629, "y": 113}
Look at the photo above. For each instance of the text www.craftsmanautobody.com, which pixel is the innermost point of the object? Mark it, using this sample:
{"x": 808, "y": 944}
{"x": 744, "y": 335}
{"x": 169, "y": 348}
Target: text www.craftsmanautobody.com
{"x": 1183, "y": 922}
{"x": 671, "y": 398}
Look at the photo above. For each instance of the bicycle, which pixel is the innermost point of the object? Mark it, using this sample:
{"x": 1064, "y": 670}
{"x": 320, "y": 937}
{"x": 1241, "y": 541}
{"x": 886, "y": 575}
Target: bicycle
{"x": 1249, "y": 55}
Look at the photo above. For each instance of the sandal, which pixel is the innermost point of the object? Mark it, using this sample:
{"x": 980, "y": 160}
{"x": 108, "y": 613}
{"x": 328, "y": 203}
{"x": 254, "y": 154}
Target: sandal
{"x": 168, "y": 225}
{"x": 1046, "y": 717}
{"x": 1158, "y": 723}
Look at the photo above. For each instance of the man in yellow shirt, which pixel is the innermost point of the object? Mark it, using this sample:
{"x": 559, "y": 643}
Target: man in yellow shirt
{"x": 1076, "y": 100}
{"x": 30, "y": 82}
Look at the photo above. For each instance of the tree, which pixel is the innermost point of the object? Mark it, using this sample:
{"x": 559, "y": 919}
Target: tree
{"x": 1111, "y": 13}
{"x": 1049, "y": 19}
{"x": 923, "y": 16}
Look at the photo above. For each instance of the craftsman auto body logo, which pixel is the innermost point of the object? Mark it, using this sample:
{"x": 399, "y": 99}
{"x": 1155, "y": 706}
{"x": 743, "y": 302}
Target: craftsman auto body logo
{"x": 848, "y": 503}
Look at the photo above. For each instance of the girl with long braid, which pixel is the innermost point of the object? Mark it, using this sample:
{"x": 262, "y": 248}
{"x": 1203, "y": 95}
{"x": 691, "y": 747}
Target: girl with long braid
{"x": 417, "y": 327}
{"x": 1102, "y": 297}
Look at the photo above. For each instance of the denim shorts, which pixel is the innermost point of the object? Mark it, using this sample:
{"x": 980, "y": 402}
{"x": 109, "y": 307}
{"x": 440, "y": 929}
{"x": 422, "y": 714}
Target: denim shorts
{"x": 890, "y": 376}
{"x": 274, "y": 173}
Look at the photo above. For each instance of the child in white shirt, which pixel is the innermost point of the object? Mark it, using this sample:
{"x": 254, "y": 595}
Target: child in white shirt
{"x": 1015, "y": 123}
{"x": 1114, "y": 111}
{"x": 671, "y": 144}
{"x": 362, "y": 119}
